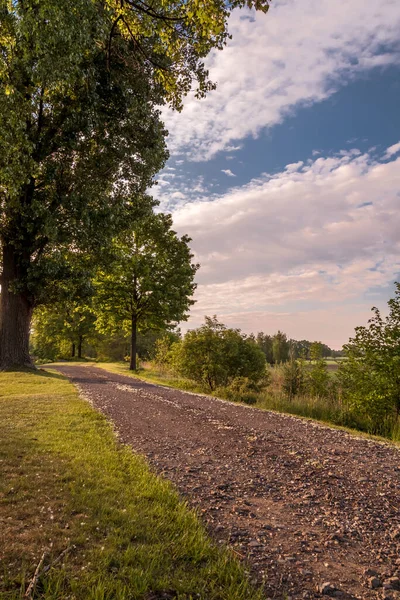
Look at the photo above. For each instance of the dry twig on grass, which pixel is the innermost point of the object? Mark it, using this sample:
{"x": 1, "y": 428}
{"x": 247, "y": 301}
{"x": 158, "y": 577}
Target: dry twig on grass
{"x": 31, "y": 586}
{"x": 56, "y": 560}
{"x": 39, "y": 571}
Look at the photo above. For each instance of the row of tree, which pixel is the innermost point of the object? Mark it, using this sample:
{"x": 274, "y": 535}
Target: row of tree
{"x": 147, "y": 283}
{"x": 278, "y": 348}
{"x": 104, "y": 327}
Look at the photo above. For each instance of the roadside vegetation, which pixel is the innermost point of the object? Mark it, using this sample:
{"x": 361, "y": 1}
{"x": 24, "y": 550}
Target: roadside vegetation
{"x": 103, "y": 523}
{"x": 361, "y": 390}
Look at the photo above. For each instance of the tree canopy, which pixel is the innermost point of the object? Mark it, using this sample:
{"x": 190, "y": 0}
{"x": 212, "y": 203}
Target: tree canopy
{"x": 150, "y": 282}
{"x": 80, "y": 134}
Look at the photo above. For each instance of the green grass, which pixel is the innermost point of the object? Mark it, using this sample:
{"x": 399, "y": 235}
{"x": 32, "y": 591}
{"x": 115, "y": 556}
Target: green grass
{"x": 320, "y": 409}
{"x": 67, "y": 484}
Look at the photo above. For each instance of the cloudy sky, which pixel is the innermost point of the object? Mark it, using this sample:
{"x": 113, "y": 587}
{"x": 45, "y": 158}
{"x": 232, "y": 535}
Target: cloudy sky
{"x": 287, "y": 177}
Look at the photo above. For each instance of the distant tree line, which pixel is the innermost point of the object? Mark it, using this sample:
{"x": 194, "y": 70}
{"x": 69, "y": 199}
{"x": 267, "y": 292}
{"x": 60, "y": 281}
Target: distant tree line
{"x": 278, "y": 348}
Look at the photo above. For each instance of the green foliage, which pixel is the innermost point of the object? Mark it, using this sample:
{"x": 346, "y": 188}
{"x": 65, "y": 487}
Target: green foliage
{"x": 163, "y": 354}
{"x": 280, "y": 347}
{"x": 293, "y": 377}
{"x": 174, "y": 36}
{"x": 80, "y": 131}
{"x": 316, "y": 351}
{"x": 214, "y": 355}
{"x": 277, "y": 348}
{"x": 80, "y": 137}
{"x": 370, "y": 377}
{"x": 111, "y": 346}
{"x": 60, "y": 328}
{"x": 148, "y": 341}
{"x": 243, "y": 389}
{"x": 149, "y": 281}
{"x": 318, "y": 380}
{"x": 305, "y": 349}
{"x": 264, "y": 342}
{"x": 150, "y": 278}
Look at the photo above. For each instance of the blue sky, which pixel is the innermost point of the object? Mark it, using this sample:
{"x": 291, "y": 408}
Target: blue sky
{"x": 287, "y": 177}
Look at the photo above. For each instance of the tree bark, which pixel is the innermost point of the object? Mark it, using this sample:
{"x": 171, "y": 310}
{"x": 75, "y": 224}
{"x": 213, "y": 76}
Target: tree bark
{"x": 80, "y": 342}
{"x": 133, "y": 365}
{"x": 15, "y": 316}
{"x": 73, "y": 350}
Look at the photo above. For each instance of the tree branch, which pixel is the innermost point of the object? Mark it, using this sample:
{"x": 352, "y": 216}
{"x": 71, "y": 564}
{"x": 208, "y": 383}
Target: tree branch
{"x": 145, "y": 8}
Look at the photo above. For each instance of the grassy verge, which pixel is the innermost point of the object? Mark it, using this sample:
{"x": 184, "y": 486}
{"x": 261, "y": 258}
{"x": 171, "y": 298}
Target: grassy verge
{"x": 109, "y": 527}
{"x": 318, "y": 409}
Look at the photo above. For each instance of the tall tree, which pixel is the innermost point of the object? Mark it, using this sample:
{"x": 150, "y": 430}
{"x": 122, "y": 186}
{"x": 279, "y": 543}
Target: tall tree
{"x": 280, "y": 347}
{"x": 150, "y": 281}
{"x": 264, "y": 341}
{"x": 80, "y": 137}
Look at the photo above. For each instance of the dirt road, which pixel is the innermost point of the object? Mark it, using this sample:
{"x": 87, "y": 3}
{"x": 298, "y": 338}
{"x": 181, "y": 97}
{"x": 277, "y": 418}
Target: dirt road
{"x": 306, "y": 505}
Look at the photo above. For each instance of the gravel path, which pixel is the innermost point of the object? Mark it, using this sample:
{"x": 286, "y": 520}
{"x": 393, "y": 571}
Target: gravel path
{"x": 304, "y": 504}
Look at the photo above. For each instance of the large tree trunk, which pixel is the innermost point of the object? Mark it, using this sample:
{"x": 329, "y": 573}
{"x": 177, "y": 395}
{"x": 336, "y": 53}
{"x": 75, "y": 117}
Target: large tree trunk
{"x": 80, "y": 342}
{"x": 73, "y": 350}
{"x": 15, "y": 317}
{"x": 133, "y": 365}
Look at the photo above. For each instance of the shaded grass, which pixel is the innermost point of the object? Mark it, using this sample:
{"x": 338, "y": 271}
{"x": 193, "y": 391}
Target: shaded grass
{"x": 67, "y": 484}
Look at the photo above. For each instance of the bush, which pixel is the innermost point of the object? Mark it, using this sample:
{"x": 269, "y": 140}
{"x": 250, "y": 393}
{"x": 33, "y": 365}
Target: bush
{"x": 242, "y": 389}
{"x": 370, "y": 376}
{"x": 293, "y": 378}
{"x": 318, "y": 379}
{"x": 214, "y": 356}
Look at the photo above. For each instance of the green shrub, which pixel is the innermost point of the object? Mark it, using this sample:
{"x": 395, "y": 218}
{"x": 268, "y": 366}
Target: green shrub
{"x": 318, "y": 379}
{"x": 293, "y": 378}
{"x": 370, "y": 377}
{"x": 214, "y": 355}
{"x": 242, "y": 389}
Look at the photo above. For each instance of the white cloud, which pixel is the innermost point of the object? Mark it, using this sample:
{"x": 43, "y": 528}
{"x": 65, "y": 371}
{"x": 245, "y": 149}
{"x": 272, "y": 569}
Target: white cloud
{"x": 392, "y": 150}
{"x": 297, "y": 54}
{"x": 228, "y": 172}
{"x": 313, "y": 237}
